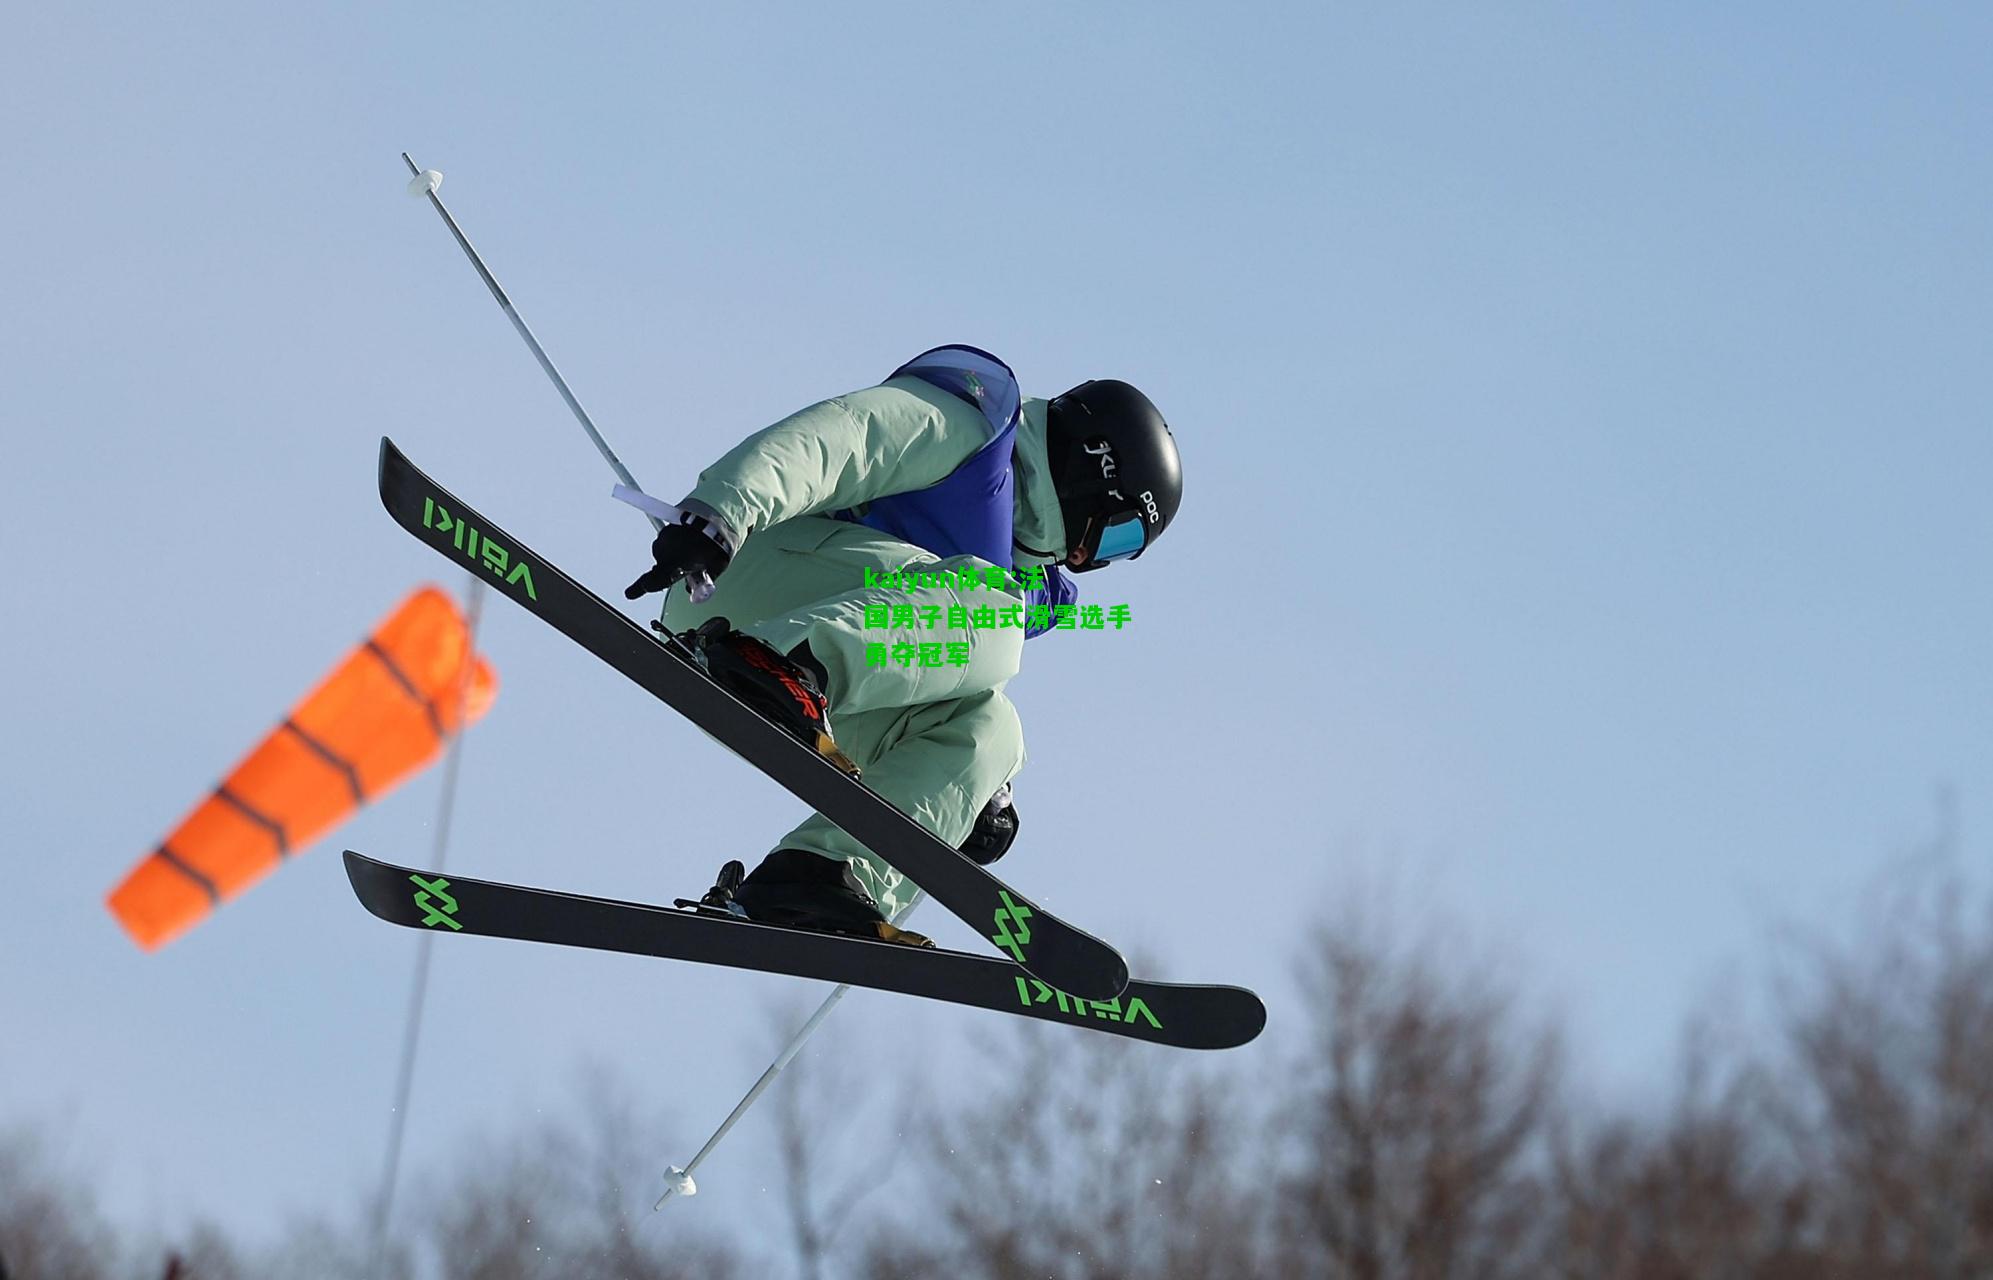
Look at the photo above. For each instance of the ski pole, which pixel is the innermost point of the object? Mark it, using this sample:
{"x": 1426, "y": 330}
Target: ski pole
{"x": 678, "y": 1181}
{"x": 429, "y": 182}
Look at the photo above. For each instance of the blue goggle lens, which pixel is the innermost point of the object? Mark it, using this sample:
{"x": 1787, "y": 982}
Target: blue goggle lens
{"x": 1119, "y": 541}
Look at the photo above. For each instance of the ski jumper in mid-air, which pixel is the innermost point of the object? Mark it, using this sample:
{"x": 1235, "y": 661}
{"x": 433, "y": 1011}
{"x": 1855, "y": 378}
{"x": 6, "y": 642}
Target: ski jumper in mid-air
{"x": 944, "y": 490}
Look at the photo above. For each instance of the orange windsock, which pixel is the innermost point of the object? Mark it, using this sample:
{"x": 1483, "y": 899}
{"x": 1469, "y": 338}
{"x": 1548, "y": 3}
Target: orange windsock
{"x": 382, "y": 714}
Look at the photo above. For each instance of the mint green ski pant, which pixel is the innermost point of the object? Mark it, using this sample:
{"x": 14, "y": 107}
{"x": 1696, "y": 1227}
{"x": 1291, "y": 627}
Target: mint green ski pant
{"x": 937, "y": 741}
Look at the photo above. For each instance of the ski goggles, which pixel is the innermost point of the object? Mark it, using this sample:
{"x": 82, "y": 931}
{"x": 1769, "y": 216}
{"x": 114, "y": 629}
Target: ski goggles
{"x": 1122, "y": 538}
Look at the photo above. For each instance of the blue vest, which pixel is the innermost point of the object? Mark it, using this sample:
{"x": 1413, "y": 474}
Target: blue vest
{"x": 969, "y": 511}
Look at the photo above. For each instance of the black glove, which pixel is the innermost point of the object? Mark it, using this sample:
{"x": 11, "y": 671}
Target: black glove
{"x": 995, "y": 829}
{"x": 680, "y": 549}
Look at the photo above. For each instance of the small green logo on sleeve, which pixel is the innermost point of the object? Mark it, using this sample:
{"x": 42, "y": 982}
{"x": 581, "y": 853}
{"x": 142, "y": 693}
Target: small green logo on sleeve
{"x": 479, "y": 549}
{"x": 1012, "y": 912}
{"x": 439, "y": 909}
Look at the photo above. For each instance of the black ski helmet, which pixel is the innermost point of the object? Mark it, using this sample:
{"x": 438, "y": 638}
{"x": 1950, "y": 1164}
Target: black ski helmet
{"x": 1116, "y": 468}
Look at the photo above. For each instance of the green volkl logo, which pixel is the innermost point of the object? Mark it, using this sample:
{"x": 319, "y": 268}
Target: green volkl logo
{"x": 479, "y": 549}
{"x": 440, "y": 909}
{"x": 1011, "y": 913}
{"x": 1030, "y": 991}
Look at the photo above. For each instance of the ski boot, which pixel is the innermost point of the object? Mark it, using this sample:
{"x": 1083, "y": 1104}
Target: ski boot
{"x": 787, "y": 690}
{"x": 805, "y": 890}
{"x": 719, "y": 900}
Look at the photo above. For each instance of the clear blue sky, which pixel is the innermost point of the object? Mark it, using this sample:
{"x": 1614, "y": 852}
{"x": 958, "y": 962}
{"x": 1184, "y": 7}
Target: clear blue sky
{"x": 1583, "y": 416}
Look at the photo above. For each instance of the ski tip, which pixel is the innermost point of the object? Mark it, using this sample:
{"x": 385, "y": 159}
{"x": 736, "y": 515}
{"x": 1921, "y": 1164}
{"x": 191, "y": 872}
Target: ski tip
{"x": 366, "y": 876}
{"x": 390, "y": 457}
{"x": 1093, "y": 970}
{"x": 1257, "y": 1021}
{"x": 1233, "y": 1018}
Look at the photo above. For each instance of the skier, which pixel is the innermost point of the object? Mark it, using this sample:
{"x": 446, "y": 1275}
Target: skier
{"x": 942, "y": 489}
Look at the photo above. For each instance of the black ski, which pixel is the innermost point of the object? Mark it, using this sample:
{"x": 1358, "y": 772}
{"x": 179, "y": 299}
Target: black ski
{"x": 1161, "y": 1013}
{"x": 1048, "y": 947}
